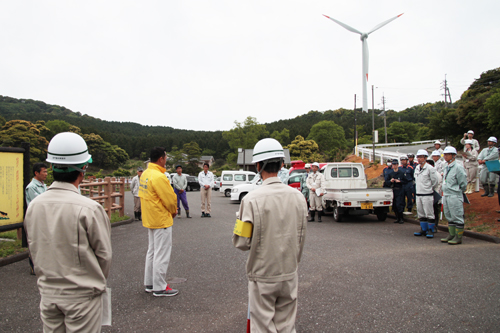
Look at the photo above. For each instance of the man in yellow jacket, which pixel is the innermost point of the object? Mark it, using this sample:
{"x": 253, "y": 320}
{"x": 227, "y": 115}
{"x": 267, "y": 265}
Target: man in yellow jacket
{"x": 159, "y": 207}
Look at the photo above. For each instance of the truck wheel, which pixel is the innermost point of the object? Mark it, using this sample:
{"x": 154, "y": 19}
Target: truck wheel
{"x": 336, "y": 213}
{"x": 227, "y": 193}
{"x": 242, "y": 195}
{"x": 381, "y": 216}
{"x": 188, "y": 188}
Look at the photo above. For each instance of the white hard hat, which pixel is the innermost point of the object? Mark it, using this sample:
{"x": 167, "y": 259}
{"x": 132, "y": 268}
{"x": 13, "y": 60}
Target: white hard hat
{"x": 422, "y": 152}
{"x": 68, "y": 148}
{"x": 316, "y": 164}
{"x": 403, "y": 157}
{"x": 468, "y": 142}
{"x": 267, "y": 149}
{"x": 470, "y": 132}
{"x": 308, "y": 165}
{"x": 438, "y": 142}
{"x": 450, "y": 150}
{"x": 436, "y": 153}
{"x": 492, "y": 139}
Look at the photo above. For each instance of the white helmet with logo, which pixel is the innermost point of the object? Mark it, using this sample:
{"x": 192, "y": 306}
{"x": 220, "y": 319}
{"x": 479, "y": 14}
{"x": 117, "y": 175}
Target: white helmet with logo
{"x": 403, "y": 157}
{"x": 492, "y": 139}
{"x": 470, "y": 132}
{"x": 468, "y": 142}
{"x": 438, "y": 142}
{"x": 68, "y": 150}
{"x": 316, "y": 164}
{"x": 436, "y": 153}
{"x": 267, "y": 150}
{"x": 308, "y": 166}
{"x": 450, "y": 150}
{"x": 422, "y": 152}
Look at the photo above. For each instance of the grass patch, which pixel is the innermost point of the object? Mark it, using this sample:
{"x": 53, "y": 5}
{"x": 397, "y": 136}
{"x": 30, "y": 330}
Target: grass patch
{"x": 115, "y": 217}
{"x": 9, "y": 234}
{"x": 8, "y": 248}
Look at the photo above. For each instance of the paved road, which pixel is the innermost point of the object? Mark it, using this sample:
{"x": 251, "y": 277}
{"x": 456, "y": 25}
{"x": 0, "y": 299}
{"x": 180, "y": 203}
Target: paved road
{"x": 359, "y": 275}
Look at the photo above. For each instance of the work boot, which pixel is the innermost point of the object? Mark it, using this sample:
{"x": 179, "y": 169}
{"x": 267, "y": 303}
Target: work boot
{"x": 424, "y": 225}
{"x": 430, "y": 230}
{"x": 140, "y": 215}
{"x": 486, "y": 190}
{"x": 458, "y": 236}
{"x": 401, "y": 218}
{"x": 178, "y": 212}
{"x": 452, "y": 231}
{"x": 136, "y": 216}
{"x": 398, "y": 218}
{"x": 313, "y": 213}
{"x": 320, "y": 212}
{"x": 187, "y": 214}
{"x": 492, "y": 191}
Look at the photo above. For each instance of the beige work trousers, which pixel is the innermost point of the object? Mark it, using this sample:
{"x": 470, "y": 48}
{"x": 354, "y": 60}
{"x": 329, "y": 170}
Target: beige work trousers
{"x": 315, "y": 202}
{"x": 206, "y": 197}
{"x": 471, "y": 174}
{"x": 137, "y": 204}
{"x": 273, "y": 306}
{"x": 75, "y": 314}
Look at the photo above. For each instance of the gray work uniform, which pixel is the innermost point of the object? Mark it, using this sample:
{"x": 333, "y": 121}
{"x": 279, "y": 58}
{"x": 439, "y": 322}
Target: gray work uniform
{"x": 70, "y": 242}
{"x": 486, "y": 177}
{"x": 471, "y": 165}
{"x": 316, "y": 180}
{"x": 278, "y": 214}
{"x": 454, "y": 184}
{"x": 425, "y": 180}
{"x": 475, "y": 144}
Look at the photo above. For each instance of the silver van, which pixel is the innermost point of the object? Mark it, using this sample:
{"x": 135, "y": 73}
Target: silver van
{"x": 229, "y": 179}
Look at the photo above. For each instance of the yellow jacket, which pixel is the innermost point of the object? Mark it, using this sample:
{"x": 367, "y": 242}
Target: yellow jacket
{"x": 158, "y": 199}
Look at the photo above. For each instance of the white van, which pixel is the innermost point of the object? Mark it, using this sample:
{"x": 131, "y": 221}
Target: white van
{"x": 229, "y": 179}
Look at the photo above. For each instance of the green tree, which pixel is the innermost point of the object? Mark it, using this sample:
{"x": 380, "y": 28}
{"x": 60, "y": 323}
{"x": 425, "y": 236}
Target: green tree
{"x": 103, "y": 153}
{"x": 193, "y": 153}
{"x": 492, "y": 105}
{"x": 57, "y": 126}
{"x": 283, "y": 137}
{"x": 402, "y": 132}
{"x": 14, "y": 132}
{"x": 305, "y": 150}
{"x": 329, "y": 136}
{"x": 2, "y": 121}
{"x": 244, "y": 135}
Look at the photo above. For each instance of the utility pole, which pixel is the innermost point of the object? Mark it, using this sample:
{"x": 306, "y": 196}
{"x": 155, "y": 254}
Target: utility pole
{"x": 385, "y": 117}
{"x": 355, "y": 129}
{"x": 373, "y": 124}
{"x": 447, "y": 94}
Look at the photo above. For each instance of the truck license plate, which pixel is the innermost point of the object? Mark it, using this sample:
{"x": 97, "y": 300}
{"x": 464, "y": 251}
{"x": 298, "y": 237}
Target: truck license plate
{"x": 368, "y": 205}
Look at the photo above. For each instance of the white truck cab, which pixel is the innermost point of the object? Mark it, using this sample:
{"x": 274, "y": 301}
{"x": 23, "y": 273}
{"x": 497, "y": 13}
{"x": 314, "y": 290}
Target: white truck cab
{"x": 348, "y": 193}
{"x": 238, "y": 192}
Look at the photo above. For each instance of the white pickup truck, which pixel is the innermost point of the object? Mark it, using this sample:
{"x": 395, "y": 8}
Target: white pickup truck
{"x": 348, "y": 194}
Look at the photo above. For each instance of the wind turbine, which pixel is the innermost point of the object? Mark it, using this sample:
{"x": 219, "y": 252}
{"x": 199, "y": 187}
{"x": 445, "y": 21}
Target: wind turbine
{"x": 364, "y": 36}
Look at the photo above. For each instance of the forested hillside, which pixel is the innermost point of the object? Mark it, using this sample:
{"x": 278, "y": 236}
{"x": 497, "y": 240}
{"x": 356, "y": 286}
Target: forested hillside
{"x": 478, "y": 109}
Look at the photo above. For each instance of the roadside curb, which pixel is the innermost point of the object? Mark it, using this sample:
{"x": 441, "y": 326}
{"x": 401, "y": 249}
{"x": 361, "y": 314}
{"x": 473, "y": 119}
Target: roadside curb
{"x": 471, "y": 234}
{"x": 21, "y": 256}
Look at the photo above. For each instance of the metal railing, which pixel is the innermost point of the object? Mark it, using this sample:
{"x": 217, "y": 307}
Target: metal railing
{"x": 367, "y": 150}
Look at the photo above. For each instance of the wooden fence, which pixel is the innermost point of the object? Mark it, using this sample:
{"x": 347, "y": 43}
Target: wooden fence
{"x": 105, "y": 191}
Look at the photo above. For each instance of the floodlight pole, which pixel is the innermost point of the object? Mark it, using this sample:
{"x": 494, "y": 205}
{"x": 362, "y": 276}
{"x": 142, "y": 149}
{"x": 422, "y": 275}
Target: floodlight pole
{"x": 355, "y": 129}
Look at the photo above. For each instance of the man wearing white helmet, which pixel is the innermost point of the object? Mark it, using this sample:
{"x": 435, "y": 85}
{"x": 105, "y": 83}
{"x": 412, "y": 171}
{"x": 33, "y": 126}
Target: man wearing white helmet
{"x": 271, "y": 225}
{"x": 470, "y": 163}
{"x": 283, "y": 174}
{"x": 425, "y": 179}
{"x": 454, "y": 184}
{"x": 470, "y": 136}
{"x": 303, "y": 183}
{"x": 316, "y": 185}
{"x": 439, "y": 163}
{"x": 437, "y": 147}
{"x": 70, "y": 241}
{"x": 488, "y": 179}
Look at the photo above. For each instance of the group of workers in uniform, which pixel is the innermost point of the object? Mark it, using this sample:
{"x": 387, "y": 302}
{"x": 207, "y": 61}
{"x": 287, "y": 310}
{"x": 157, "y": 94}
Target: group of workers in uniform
{"x": 430, "y": 183}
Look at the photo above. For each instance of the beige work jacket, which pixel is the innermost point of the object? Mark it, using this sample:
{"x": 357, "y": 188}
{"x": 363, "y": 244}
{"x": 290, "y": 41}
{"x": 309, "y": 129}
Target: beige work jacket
{"x": 69, "y": 237}
{"x": 279, "y": 217}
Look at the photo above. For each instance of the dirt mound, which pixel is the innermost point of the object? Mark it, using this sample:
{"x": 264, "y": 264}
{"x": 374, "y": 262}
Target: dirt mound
{"x": 372, "y": 170}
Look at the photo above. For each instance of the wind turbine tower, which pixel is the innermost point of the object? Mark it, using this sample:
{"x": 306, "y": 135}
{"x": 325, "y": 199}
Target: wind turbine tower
{"x": 364, "y": 36}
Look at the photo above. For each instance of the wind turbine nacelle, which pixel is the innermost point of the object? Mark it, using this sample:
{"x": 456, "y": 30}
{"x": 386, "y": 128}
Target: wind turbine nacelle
{"x": 363, "y": 36}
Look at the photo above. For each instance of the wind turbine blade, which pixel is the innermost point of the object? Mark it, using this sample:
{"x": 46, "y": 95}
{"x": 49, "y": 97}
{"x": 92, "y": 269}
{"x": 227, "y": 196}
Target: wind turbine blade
{"x": 383, "y": 23}
{"x": 365, "y": 74}
{"x": 344, "y": 25}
